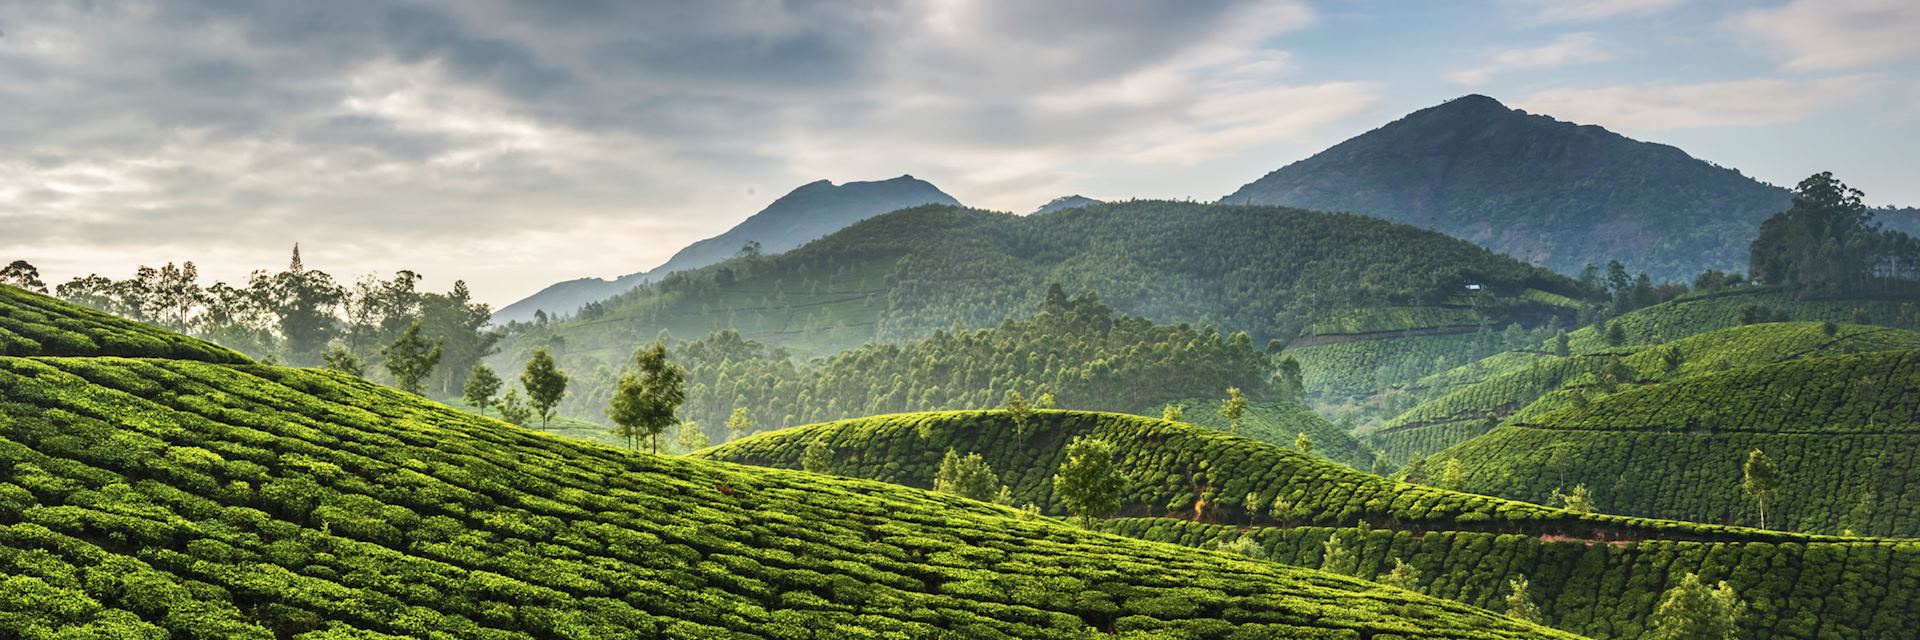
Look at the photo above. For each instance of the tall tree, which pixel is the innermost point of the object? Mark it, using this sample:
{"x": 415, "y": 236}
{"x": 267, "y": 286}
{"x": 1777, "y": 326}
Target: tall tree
{"x": 304, "y": 300}
{"x": 411, "y": 358}
{"x": 1520, "y": 600}
{"x": 1233, "y": 408}
{"x": 338, "y": 358}
{"x": 459, "y": 323}
{"x": 1019, "y": 411}
{"x": 482, "y": 385}
{"x": 23, "y": 275}
{"x": 545, "y": 384}
{"x": 739, "y": 424}
{"x": 1827, "y": 244}
{"x": 1693, "y": 611}
{"x": 1088, "y": 484}
{"x": 1288, "y": 378}
{"x": 1760, "y": 479}
{"x": 967, "y": 477}
{"x": 647, "y": 401}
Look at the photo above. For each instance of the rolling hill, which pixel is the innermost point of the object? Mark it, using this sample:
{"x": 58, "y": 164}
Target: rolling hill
{"x": 813, "y": 210}
{"x": 190, "y": 499}
{"x": 1476, "y": 399}
{"x": 1594, "y": 574}
{"x": 907, "y": 275}
{"x": 1841, "y": 429}
{"x": 1553, "y": 193}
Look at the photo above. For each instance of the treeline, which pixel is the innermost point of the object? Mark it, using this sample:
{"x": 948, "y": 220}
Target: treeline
{"x": 1075, "y": 352}
{"x": 385, "y": 329}
{"x": 1828, "y": 244}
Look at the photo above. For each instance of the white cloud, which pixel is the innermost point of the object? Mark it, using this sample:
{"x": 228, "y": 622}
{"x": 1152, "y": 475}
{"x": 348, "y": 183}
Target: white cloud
{"x": 1572, "y": 48}
{"x": 1553, "y": 11}
{"x": 1835, "y": 34}
{"x": 1719, "y": 104}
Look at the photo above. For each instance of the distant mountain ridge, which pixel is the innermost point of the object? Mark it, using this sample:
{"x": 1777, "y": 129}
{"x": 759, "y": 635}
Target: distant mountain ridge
{"x": 1553, "y": 193}
{"x": 1066, "y": 202}
{"x": 809, "y": 212}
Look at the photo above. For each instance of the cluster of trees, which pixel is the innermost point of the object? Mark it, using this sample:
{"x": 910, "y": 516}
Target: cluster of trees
{"x": 1076, "y": 350}
{"x": 1828, "y": 245}
{"x": 151, "y": 498}
{"x": 423, "y": 341}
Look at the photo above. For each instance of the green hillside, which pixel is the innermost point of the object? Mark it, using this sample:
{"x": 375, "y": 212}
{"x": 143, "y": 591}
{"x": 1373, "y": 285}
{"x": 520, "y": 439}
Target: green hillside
{"x": 1596, "y": 574}
{"x": 1178, "y": 470}
{"x": 1841, "y": 429}
{"x": 1478, "y": 396}
{"x": 1268, "y": 271}
{"x": 1820, "y": 589}
{"x": 1555, "y": 193}
{"x": 34, "y": 324}
{"x": 150, "y": 498}
{"x": 1702, "y": 312}
{"x": 1280, "y": 424}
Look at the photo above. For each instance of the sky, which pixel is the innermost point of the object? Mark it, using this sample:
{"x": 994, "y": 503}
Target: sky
{"x": 516, "y": 144}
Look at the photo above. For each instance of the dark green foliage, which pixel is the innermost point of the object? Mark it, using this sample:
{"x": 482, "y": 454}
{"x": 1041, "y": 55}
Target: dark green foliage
{"x": 1839, "y": 429}
{"x": 1088, "y": 485}
{"x": 1826, "y": 244}
{"x": 969, "y": 477}
{"x": 32, "y": 324}
{"x": 648, "y": 400}
{"x": 545, "y": 385}
{"x": 1611, "y": 589}
{"x": 1078, "y": 350}
{"x": 192, "y": 500}
{"x": 482, "y": 385}
{"x": 1529, "y": 185}
{"x": 410, "y": 359}
{"x": 1281, "y": 423}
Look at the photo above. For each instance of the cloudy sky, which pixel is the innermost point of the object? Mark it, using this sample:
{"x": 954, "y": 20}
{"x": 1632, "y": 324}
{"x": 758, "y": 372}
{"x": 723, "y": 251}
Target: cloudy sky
{"x": 514, "y": 144}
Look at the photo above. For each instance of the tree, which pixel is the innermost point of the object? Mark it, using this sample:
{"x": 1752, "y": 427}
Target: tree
{"x": 545, "y": 385}
{"x": 304, "y": 299}
{"x": 338, "y": 358}
{"x": 1334, "y": 555}
{"x": 1760, "y": 479}
{"x": 458, "y": 322}
{"x": 514, "y": 409}
{"x": 1288, "y": 378}
{"x": 1616, "y": 335}
{"x": 1172, "y": 412}
{"x": 1453, "y": 477}
{"x": 482, "y": 384}
{"x": 1692, "y": 611}
{"x": 1827, "y": 244}
{"x": 1233, "y": 408}
{"x": 411, "y": 360}
{"x": 648, "y": 401}
{"x": 1088, "y": 484}
{"x": 1403, "y": 575}
{"x": 23, "y": 275}
{"x": 1580, "y": 501}
{"x": 691, "y": 438}
{"x": 1561, "y": 345}
{"x": 1519, "y": 602}
{"x": 738, "y": 424}
{"x": 1019, "y": 411}
{"x": 967, "y": 477}
{"x": 1303, "y": 443}
{"x": 817, "y": 457}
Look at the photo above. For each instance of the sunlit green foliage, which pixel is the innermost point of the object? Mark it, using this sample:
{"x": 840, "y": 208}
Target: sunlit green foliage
{"x": 40, "y": 325}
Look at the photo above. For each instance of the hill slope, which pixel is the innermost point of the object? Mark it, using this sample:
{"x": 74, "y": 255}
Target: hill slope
{"x": 1554, "y": 193}
{"x": 32, "y": 324}
{"x": 1593, "y": 574}
{"x": 186, "y": 499}
{"x": 1472, "y": 400}
{"x": 1841, "y": 429}
{"x": 813, "y": 210}
{"x": 906, "y": 275}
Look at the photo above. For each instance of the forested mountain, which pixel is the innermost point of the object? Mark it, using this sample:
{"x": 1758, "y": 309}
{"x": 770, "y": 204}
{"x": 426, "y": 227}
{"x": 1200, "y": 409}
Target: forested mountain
{"x": 1074, "y": 352}
{"x": 1549, "y": 192}
{"x": 813, "y": 210}
{"x": 159, "y": 498}
{"x": 1268, "y": 271}
{"x": 1840, "y": 430}
{"x": 1065, "y": 202}
{"x": 1593, "y": 574}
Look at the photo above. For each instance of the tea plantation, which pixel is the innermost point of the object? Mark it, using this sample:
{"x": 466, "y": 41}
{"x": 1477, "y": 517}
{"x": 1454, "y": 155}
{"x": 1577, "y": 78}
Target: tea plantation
{"x": 1842, "y": 430}
{"x": 38, "y": 325}
{"x": 156, "y": 498}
